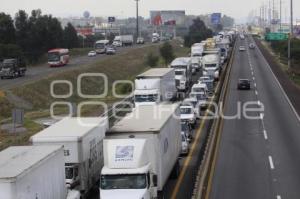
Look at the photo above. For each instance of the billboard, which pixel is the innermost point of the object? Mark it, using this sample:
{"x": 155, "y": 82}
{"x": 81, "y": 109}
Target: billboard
{"x": 167, "y": 17}
{"x": 111, "y": 19}
{"x": 216, "y": 18}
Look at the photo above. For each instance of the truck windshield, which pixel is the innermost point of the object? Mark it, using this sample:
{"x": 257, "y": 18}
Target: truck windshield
{"x": 179, "y": 73}
{"x": 197, "y": 90}
{"x": 210, "y": 65}
{"x": 99, "y": 45}
{"x": 146, "y": 98}
{"x": 133, "y": 181}
{"x": 53, "y": 57}
{"x": 69, "y": 172}
{"x": 185, "y": 111}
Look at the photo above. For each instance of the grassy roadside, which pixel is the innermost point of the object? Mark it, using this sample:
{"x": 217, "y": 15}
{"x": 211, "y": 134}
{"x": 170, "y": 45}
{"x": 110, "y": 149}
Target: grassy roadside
{"x": 283, "y": 64}
{"x": 124, "y": 66}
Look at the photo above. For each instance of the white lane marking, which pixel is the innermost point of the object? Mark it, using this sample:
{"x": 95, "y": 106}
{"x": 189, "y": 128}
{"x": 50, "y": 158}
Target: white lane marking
{"x": 256, "y": 93}
{"x": 265, "y": 135}
{"x": 252, "y": 73}
{"x": 254, "y": 84}
{"x": 278, "y": 197}
{"x": 253, "y": 78}
{"x": 281, "y": 88}
{"x": 258, "y": 102}
{"x": 271, "y": 163}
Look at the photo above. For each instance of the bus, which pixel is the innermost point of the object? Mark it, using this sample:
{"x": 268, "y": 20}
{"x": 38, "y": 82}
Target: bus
{"x": 100, "y": 46}
{"x": 58, "y": 57}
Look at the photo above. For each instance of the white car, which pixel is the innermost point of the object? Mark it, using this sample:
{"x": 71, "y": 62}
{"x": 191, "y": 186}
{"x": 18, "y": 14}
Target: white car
{"x": 110, "y": 50}
{"x": 184, "y": 144}
{"x": 187, "y": 114}
{"x": 242, "y": 48}
{"x": 92, "y": 53}
{"x": 192, "y": 102}
{"x": 202, "y": 99}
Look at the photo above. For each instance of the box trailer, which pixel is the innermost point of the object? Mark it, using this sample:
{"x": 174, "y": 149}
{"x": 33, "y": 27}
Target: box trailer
{"x": 82, "y": 139}
{"x": 28, "y": 172}
{"x": 140, "y": 152}
{"x": 155, "y": 86}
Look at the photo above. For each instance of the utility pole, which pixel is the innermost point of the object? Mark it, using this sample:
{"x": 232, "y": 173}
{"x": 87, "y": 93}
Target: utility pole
{"x": 137, "y": 18}
{"x": 290, "y": 36}
{"x": 280, "y": 13}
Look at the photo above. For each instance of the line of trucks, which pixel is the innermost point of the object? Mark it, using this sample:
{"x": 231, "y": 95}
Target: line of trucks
{"x": 72, "y": 156}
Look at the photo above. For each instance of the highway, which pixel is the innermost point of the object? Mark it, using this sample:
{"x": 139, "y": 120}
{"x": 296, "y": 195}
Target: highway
{"x": 39, "y": 72}
{"x": 257, "y": 158}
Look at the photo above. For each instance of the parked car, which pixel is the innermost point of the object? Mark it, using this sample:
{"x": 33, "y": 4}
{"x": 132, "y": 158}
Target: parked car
{"x": 92, "y": 53}
{"x": 244, "y": 84}
{"x": 242, "y": 48}
{"x": 140, "y": 40}
{"x": 110, "y": 50}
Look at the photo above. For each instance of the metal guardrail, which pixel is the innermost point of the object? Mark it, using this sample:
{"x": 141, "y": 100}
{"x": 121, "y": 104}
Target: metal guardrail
{"x": 207, "y": 164}
{"x": 114, "y": 115}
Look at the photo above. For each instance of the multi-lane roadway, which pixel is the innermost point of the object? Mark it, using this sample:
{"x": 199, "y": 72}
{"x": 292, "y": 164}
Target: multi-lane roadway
{"x": 43, "y": 70}
{"x": 257, "y": 158}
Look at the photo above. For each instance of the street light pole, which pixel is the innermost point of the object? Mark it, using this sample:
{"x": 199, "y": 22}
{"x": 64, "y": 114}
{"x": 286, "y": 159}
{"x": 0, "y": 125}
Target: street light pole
{"x": 137, "y": 18}
{"x": 290, "y": 36}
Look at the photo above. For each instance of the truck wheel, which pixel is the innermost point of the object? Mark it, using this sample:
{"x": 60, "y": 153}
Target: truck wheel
{"x": 176, "y": 171}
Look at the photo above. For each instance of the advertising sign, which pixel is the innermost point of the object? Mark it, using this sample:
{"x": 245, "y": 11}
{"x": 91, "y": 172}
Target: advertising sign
{"x": 124, "y": 153}
{"x": 216, "y": 18}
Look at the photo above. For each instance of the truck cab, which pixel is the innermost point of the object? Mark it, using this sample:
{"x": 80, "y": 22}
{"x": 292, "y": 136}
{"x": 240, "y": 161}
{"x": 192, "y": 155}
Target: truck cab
{"x": 146, "y": 91}
{"x": 183, "y": 72}
{"x": 12, "y": 68}
{"x": 211, "y": 66}
{"x": 136, "y": 180}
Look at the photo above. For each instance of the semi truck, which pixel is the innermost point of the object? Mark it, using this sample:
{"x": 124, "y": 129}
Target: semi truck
{"x": 123, "y": 40}
{"x": 82, "y": 139}
{"x": 33, "y": 172}
{"x": 155, "y": 86}
{"x": 140, "y": 153}
{"x": 11, "y": 68}
{"x": 183, "y": 72}
{"x": 211, "y": 66}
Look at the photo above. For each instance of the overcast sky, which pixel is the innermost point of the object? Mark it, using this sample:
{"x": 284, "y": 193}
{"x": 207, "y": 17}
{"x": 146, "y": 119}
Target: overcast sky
{"x": 126, "y": 8}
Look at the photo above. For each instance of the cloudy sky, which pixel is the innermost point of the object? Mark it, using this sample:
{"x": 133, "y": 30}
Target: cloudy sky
{"x": 126, "y": 8}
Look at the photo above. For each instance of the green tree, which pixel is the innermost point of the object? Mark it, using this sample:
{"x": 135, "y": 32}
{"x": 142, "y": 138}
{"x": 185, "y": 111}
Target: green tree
{"x": 7, "y": 29}
{"x": 22, "y": 29}
{"x": 227, "y": 21}
{"x": 166, "y": 51}
{"x": 71, "y": 39}
{"x": 151, "y": 59}
{"x": 10, "y": 51}
{"x": 197, "y": 32}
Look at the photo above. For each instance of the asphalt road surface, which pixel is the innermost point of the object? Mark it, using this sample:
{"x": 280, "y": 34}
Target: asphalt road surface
{"x": 42, "y": 71}
{"x": 257, "y": 158}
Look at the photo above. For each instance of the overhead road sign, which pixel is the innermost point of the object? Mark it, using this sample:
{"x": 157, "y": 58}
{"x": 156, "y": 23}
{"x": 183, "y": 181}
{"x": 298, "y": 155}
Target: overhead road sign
{"x": 276, "y": 36}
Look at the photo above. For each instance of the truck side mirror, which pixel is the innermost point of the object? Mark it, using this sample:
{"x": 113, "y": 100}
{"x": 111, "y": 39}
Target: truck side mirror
{"x": 154, "y": 180}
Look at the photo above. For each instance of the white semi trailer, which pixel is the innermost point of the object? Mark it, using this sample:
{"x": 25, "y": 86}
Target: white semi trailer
{"x": 155, "y": 86}
{"x": 28, "y": 172}
{"x": 82, "y": 139}
{"x": 140, "y": 153}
